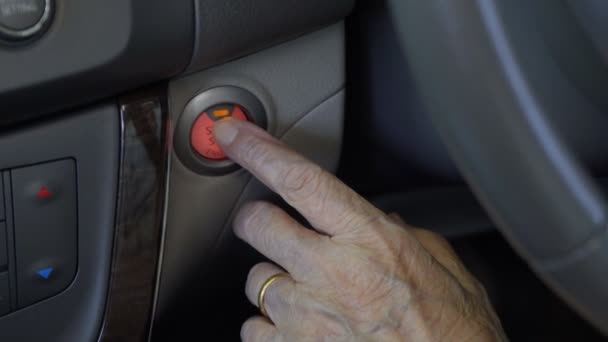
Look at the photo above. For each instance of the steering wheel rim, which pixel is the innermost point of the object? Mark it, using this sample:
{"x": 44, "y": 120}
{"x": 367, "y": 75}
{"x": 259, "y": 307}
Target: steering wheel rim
{"x": 495, "y": 125}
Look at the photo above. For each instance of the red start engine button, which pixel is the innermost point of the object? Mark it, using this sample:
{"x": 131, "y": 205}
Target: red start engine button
{"x": 201, "y": 136}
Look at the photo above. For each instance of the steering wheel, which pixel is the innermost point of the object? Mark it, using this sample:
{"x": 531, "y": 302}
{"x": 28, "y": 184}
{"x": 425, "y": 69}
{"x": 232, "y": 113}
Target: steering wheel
{"x": 495, "y": 75}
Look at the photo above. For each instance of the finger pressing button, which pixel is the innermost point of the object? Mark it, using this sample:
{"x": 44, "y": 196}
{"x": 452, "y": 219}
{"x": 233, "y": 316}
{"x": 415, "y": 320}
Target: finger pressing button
{"x": 202, "y": 139}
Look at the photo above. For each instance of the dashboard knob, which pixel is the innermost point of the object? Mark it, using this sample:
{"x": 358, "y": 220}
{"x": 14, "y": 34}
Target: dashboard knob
{"x": 23, "y": 19}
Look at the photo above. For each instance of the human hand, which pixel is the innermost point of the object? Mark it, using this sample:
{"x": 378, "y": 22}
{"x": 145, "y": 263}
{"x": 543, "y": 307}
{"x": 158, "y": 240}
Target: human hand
{"x": 361, "y": 276}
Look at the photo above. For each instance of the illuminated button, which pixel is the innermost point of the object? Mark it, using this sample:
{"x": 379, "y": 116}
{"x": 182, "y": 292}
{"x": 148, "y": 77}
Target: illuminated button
{"x": 201, "y": 136}
{"x": 44, "y": 193}
{"x": 221, "y": 113}
{"x": 238, "y": 113}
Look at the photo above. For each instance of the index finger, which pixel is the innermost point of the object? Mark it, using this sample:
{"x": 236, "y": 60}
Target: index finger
{"x": 327, "y": 203}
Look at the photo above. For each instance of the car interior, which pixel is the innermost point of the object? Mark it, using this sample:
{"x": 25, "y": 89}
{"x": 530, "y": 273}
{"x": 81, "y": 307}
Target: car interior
{"x": 481, "y": 120}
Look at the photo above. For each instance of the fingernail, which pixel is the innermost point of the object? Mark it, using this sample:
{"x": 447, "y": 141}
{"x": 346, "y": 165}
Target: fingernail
{"x": 225, "y": 132}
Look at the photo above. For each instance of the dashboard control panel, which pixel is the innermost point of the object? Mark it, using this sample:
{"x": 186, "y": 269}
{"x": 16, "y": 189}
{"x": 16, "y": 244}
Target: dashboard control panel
{"x": 38, "y": 241}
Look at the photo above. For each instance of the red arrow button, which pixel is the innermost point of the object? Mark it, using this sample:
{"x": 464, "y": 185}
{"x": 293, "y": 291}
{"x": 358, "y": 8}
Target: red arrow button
{"x": 44, "y": 193}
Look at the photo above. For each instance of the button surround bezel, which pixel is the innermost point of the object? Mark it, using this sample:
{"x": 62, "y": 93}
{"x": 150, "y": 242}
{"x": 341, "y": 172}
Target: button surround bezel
{"x": 254, "y": 109}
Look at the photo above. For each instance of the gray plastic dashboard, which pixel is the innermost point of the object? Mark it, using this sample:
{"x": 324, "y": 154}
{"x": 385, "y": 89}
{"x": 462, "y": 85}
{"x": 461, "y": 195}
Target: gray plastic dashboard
{"x": 59, "y": 90}
{"x": 301, "y": 85}
{"x": 75, "y": 314}
{"x": 96, "y": 49}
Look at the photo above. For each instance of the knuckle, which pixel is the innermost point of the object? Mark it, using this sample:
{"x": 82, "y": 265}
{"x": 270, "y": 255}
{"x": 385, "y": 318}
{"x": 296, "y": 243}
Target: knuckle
{"x": 317, "y": 250}
{"x": 478, "y": 289}
{"x": 268, "y": 241}
{"x": 435, "y": 236}
{"x": 293, "y": 255}
{"x": 350, "y": 213}
{"x": 423, "y": 234}
{"x": 251, "y": 285}
{"x": 253, "y": 150}
{"x": 250, "y": 332}
{"x": 374, "y": 237}
{"x": 247, "y": 331}
{"x": 251, "y": 217}
{"x": 442, "y": 241}
{"x": 302, "y": 181}
{"x": 253, "y": 274}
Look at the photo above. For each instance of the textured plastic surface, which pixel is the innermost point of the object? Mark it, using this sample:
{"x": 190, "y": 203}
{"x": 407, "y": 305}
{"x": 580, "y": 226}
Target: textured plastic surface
{"x": 293, "y": 81}
{"x": 92, "y": 50}
{"x": 230, "y": 29}
{"x": 498, "y": 130}
{"x": 75, "y": 314}
{"x": 45, "y": 224}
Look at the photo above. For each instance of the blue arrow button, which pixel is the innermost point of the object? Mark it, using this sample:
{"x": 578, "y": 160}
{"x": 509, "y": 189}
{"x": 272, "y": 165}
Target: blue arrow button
{"x": 45, "y": 273}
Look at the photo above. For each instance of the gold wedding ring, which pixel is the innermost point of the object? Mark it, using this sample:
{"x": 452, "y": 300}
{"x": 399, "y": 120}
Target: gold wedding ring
{"x": 264, "y": 289}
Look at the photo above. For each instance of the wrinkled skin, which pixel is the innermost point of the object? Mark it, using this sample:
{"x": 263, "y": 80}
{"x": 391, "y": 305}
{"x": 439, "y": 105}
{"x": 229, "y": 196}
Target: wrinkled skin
{"x": 361, "y": 275}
